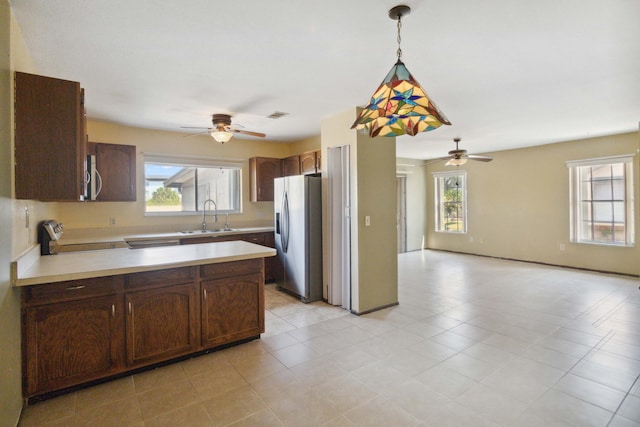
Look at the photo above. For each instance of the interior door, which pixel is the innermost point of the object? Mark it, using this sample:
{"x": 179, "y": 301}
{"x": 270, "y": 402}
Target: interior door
{"x": 339, "y": 224}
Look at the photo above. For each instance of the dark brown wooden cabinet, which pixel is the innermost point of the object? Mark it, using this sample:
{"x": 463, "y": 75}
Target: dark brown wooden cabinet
{"x": 291, "y": 166}
{"x": 50, "y": 139}
{"x": 83, "y": 330}
{"x": 310, "y": 162}
{"x": 160, "y": 324}
{"x": 70, "y": 335}
{"x": 116, "y": 164}
{"x": 232, "y": 309}
{"x": 161, "y": 315}
{"x": 271, "y": 264}
{"x": 262, "y": 172}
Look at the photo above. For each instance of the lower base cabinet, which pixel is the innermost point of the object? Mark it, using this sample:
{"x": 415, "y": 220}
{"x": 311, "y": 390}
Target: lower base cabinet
{"x": 160, "y": 324}
{"x": 71, "y": 342}
{"x": 272, "y": 265}
{"x": 230, "y": 309}
{"x": 83, "y": 330}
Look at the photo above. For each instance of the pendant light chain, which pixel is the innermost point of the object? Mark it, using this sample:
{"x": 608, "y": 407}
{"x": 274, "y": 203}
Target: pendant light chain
{"x": 399, "y": 38}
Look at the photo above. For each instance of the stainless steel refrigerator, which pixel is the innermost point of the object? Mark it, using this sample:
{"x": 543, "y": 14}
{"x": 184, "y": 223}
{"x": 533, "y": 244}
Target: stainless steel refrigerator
{"x": 298, "y": 235}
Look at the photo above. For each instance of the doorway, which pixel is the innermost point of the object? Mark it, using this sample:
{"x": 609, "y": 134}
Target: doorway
{"x": 401, "y": 212}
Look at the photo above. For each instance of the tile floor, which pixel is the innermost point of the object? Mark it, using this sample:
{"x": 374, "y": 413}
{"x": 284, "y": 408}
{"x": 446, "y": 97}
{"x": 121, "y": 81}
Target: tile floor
{"x": 474, "y": 342}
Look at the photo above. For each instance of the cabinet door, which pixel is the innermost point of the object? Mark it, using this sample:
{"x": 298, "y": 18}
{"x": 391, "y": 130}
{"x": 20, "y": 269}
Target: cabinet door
{"x": 232, "y": 309}
{"x": 50, "y": 139}
{"x": 70, "y": 343}
{"x": 308, "y": 163}
{"x": 270, "y": 263}
{"x": 160, "y": 323}
{"x": 262, "y": 171}
{"x": 291, "y": 166}
{"x": 117, "y": 167}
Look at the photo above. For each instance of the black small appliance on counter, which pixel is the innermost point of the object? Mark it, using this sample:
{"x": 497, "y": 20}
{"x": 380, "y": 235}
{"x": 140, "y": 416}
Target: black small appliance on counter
{"x": 48, "y": 234}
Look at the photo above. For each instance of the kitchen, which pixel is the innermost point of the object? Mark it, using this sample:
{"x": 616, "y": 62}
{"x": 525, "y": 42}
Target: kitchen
{"x": 96, "y": 218}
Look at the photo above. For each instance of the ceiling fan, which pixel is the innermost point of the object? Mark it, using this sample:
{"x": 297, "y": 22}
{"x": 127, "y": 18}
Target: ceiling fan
{"x": 459, "y": 157}
{"x": 222, "y": 131}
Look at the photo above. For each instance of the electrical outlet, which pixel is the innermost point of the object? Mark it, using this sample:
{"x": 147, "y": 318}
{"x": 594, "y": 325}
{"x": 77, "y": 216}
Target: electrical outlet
{"x": 471, "y": 239}
{"x": 562, "y": 246}
{"x": 27, "y": 222}
{"x": 112, "y": 221}
{"x": 367, "y": 221}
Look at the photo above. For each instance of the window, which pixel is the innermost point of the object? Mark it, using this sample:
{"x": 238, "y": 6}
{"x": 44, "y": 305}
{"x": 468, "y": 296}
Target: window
{"x": 180, "y": 186}
{"x": 601, "y": 192}
{"x": 451, "y": 201}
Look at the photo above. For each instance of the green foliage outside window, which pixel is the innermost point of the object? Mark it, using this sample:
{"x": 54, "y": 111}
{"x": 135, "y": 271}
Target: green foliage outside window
{"x": 164, "y": 196}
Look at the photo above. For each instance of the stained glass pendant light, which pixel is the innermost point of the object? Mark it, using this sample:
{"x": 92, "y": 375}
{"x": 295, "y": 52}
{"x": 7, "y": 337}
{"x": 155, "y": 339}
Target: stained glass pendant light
{"x": 400, "y": 105}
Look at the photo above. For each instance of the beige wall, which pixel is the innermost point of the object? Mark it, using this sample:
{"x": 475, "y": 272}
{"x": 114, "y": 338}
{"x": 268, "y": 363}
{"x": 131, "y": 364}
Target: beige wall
{"x": 10, "y": 371}
{"x": 92, "y": 216}
{"x": 374, "y": 262}
{"x": 307, "y": 144}
{"x": 414, "y": 171}
{"x": 518, "y": 206}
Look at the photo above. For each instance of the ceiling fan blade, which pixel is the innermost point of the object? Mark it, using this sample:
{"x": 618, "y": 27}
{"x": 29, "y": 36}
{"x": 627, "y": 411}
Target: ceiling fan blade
{"x": 479, "y": 158}
{"x": 248, "y": 132}
{"x": 439, "y": 159}
{"x": 204, "y": 132}
{"x": 193, "y": 127}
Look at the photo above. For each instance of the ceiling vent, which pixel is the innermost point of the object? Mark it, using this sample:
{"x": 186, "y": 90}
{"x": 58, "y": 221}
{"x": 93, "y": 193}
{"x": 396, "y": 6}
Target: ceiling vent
{"x": 276, "y": 115}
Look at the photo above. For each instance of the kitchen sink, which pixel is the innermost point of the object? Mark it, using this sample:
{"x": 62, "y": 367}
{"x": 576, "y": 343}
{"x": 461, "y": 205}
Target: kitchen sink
{"x": 217, "y": 230}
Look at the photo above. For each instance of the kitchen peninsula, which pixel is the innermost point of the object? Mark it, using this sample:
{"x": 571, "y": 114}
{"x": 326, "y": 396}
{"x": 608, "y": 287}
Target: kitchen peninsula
{"x": 91, "y": 315}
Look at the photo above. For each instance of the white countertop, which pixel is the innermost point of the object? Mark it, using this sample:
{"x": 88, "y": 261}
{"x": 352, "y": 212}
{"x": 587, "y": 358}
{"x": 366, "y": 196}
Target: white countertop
{"x": 108, "y": 262}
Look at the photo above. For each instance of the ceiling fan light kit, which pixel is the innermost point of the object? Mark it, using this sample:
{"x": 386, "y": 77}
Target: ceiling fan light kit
{"x": 400, "y": 105}
{"x": 221, "y": 136}
{"x": 222, "y": 131}
{"x": 459, "y": 157}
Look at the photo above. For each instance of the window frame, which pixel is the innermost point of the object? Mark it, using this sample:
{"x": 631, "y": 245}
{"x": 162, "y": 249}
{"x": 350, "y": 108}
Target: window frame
{"x": 575, "y": 199}
{"x": 439, "y": 178}
{"x": 198, "y": 162}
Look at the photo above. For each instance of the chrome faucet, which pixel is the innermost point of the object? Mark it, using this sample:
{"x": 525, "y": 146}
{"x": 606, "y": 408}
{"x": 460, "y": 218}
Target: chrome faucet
{"x": 204, "y": 213}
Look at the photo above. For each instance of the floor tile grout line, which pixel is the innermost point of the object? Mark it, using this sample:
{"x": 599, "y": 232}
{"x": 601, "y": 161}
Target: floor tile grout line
{"x": 623, "y": 399}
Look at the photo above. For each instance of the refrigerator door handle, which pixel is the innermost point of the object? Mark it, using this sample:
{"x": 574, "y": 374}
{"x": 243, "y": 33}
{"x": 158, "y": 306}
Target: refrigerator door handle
{"x": 285, "y": 223}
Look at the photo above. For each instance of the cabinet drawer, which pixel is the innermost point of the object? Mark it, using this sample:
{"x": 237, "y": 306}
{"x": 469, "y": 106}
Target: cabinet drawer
{"x": 257, "y": 238}
{"x": 160, "y": 277}
{"x": 227, "y": 269}
{"x": 69, "y": 290}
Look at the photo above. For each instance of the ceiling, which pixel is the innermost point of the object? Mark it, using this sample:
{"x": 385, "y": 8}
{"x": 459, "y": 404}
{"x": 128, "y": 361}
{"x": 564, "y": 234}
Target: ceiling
{"x": 506, "y": 73}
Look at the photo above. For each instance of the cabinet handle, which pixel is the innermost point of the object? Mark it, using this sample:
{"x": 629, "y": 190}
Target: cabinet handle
{"x": 129, "y": 307}
{"x": 113, "y": 310}
{"x": 205, "y": 294}
{"x": 74, "y": 288}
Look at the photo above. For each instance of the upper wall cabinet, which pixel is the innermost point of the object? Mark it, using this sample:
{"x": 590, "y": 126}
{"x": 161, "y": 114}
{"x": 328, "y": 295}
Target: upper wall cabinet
{"x": 310, "y": 162}
{"x": 50, "y": 139}
{"x": 291, "y": 166}
{"x": 262, "y": 172}
{"x": 116, "y": 172}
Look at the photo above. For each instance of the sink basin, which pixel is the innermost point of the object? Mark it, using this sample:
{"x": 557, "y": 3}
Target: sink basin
{"x": 217, "y": 230}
